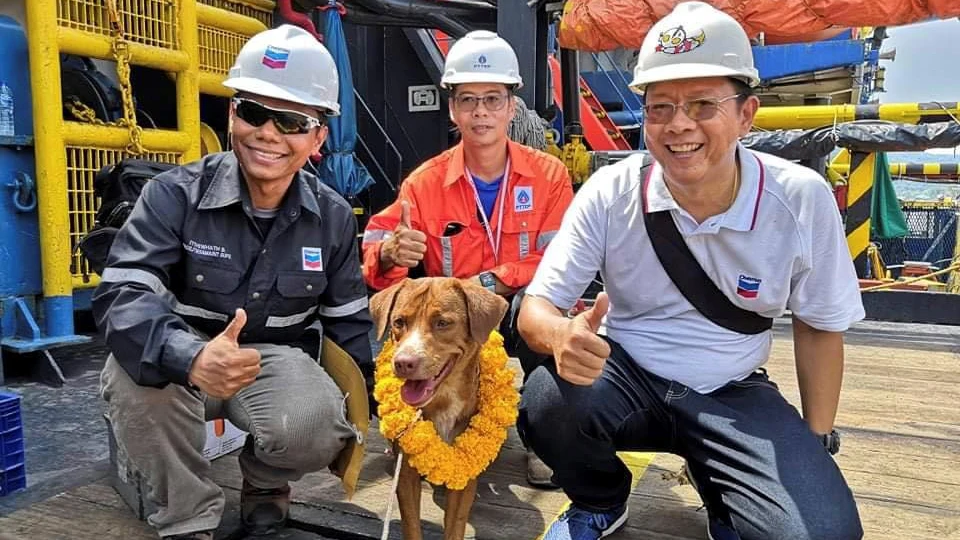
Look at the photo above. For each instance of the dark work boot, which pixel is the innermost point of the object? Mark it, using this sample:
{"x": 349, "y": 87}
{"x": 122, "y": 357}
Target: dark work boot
{"x": 264, "y": 511}
{"x": 196, "y": 535}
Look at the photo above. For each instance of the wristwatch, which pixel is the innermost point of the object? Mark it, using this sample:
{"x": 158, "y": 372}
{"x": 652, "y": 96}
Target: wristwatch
{"x": 489, "y": 281}
{"x": 831, "y": 441}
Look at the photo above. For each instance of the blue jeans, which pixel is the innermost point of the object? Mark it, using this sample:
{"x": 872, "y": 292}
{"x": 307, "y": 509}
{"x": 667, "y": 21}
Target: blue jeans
{"x": 756, "y": 463}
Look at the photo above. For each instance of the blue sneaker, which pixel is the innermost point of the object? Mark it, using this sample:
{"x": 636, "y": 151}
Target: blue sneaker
{"x": 579, "y": 524}
{"x": 718, "y": 530}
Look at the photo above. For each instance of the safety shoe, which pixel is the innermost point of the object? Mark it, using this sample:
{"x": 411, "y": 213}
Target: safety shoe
{"x": 539, "y": 474}
{"x": 580, "y": 524}
{"x": 196, "y": 535}
{"x": 264, "y": 511}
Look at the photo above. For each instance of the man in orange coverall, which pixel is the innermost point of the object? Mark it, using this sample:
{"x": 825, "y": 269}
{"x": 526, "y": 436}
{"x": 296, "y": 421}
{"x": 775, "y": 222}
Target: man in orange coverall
{"x": 483, "y": 210}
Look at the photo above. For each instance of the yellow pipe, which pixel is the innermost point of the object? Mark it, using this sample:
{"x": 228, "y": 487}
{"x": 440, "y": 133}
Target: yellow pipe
{"x": 154, "y": 140}
{"x": 228, "y": 20}
{"x": 266, "y": 5}
{"x": 900, "y": 169}
{"x": 814, "y": 116}
{"x": 51, "y": 160}
{"x": 88, "y": 281}
{"x": 78, "y": 42}
{"x": 212, "y": 84}
{"x": 188, "y": 90}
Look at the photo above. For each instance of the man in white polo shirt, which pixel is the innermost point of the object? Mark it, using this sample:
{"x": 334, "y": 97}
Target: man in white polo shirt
{"x": 681, "y": 376}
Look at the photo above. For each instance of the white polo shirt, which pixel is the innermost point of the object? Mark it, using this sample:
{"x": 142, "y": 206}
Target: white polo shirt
{"x": 780, "y": 246}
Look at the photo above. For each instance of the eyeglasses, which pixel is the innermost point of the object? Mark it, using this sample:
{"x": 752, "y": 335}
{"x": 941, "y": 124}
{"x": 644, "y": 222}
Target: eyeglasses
{"x": 469, "y": 102}
{"x": 696, "y": 109}
{"x": 287, "y": 122}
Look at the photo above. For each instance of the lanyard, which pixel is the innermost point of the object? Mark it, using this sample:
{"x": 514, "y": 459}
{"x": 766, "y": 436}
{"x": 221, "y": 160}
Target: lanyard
{"x": 501, "y": 194}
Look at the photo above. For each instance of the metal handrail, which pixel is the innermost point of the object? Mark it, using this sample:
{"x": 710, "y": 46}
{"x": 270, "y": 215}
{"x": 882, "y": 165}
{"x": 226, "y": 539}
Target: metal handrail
{"x": 386, "y": 138}
{"x": 623, "y": 99}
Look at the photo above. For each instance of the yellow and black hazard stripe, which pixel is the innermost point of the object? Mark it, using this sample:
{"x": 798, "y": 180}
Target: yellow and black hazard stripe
{"x": 859, "y": 191}
{"x": 926, "y": 170}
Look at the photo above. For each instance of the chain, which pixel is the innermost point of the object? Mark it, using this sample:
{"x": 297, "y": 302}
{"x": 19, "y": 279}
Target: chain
{"x": 121, "y": 53}
{"x": 82, "y": 112}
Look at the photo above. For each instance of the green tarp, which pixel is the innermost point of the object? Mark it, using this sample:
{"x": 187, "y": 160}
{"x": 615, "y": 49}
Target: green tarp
{"x": 886, "y": 216}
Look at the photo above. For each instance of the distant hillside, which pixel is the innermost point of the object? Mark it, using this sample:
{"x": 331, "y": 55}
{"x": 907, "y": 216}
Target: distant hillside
{"x": 923, "y": 157}
{"x": 919, "y": 191}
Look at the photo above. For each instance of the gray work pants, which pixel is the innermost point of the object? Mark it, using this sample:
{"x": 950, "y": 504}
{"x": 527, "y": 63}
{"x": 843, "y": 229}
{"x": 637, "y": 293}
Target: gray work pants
{"x": 294, "y": 411}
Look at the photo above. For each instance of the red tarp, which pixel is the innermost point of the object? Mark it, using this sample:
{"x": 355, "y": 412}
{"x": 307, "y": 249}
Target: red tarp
{"x": 602, "y": 25}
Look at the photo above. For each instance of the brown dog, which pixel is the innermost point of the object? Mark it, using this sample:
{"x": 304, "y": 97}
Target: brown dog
{"x": 439, "y": 326}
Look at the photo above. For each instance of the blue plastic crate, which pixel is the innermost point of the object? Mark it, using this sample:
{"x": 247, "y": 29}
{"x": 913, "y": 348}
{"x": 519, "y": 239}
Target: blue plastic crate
{"x": 9, "y": 412}
{"x": 13, "y": 480}
{"x": 11, "y": 449}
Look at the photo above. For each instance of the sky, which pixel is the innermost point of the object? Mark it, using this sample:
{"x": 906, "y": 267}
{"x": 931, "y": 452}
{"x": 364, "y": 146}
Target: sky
{"x": 925, "y": 68}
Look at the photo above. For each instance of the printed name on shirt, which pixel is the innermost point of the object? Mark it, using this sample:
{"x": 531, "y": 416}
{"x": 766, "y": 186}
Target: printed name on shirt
{"x": 206, "y": 250}
{"x": 523, "y": 198}
{"x": 311, "y": 259}
{"x": 748, "y": 287}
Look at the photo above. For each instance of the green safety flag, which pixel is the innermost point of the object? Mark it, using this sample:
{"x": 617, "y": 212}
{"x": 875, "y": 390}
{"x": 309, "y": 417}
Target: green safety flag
{"x": 886, "y": 215}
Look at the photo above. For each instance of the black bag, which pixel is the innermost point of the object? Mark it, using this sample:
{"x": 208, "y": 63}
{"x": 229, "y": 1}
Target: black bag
{"x": 695, "y": 285}
{"x": 118, "y": 187}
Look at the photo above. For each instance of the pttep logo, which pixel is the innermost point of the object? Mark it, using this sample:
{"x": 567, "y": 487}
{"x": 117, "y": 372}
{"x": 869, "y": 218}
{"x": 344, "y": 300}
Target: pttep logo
{"x": 275, "y": 57}
{"x": 748, "y": 287}
{"x": 311, "y": 259}
{"x": 522, "y": 199}
{"x": 481, "y": 63}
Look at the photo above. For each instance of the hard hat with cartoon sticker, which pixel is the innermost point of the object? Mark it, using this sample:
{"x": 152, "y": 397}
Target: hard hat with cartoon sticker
{"x": 694, "y": 40}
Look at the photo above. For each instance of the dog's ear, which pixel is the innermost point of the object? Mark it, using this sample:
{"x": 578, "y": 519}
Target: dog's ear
{"x": 485, "y": 310}
{"x": 381, "y": 305}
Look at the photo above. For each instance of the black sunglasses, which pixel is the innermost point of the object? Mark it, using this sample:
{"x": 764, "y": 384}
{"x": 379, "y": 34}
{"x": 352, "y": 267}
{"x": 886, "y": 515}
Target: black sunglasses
{"x": 287, "y": 122}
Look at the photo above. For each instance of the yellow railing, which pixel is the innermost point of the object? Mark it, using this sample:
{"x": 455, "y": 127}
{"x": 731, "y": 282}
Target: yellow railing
{"x": 195, "y": 41}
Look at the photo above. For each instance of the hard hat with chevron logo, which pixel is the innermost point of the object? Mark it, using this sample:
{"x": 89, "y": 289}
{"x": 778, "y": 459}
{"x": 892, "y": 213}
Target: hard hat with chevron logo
{"x": 287, "y": 63}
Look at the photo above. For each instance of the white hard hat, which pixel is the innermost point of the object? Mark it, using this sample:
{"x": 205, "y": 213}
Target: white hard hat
{"x": 481, "y": 56}
{"x": 694, "y": 40}
{"x": 287, "y": 63}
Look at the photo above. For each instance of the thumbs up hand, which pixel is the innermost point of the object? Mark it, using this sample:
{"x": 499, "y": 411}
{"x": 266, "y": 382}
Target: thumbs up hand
{"x": 222, "y": 368}
{"x": 407, "y": 245}
{"x": 579, "y": 352}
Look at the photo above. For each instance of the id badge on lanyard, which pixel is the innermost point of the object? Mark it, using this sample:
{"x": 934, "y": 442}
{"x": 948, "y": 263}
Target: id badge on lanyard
{"x": 501, "y": 194}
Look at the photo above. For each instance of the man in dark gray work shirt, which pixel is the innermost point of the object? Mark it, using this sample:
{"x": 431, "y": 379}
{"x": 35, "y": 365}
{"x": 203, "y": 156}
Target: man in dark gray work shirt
{"x": 217, "y": 292}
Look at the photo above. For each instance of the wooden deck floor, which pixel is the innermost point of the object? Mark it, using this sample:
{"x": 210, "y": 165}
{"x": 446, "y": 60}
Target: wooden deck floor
{"x": 901, "y": 455}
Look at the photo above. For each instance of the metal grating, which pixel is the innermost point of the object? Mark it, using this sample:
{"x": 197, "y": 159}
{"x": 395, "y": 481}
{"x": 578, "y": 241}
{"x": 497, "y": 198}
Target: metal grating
{"x": 218, "y": 49}
{"x": 83, "y": 164}
{"x": 932, "y": 236}
{"x": 263, "y": 15}
{"x": 150, "y": 22}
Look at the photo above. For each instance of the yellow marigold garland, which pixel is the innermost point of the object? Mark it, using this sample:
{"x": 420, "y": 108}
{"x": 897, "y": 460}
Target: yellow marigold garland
{"x": 473, "y": 450}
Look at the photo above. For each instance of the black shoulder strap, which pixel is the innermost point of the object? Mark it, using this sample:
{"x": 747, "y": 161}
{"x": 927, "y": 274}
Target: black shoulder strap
{"x": 687, "y": 274}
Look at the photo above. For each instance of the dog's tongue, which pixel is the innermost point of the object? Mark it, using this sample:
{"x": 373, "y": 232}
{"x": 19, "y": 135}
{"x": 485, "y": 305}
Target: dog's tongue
{"x": 415, "y": 393}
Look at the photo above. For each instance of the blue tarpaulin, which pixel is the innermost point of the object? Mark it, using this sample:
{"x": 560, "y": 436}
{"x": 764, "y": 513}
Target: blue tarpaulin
{"x": 340, "y": 169}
